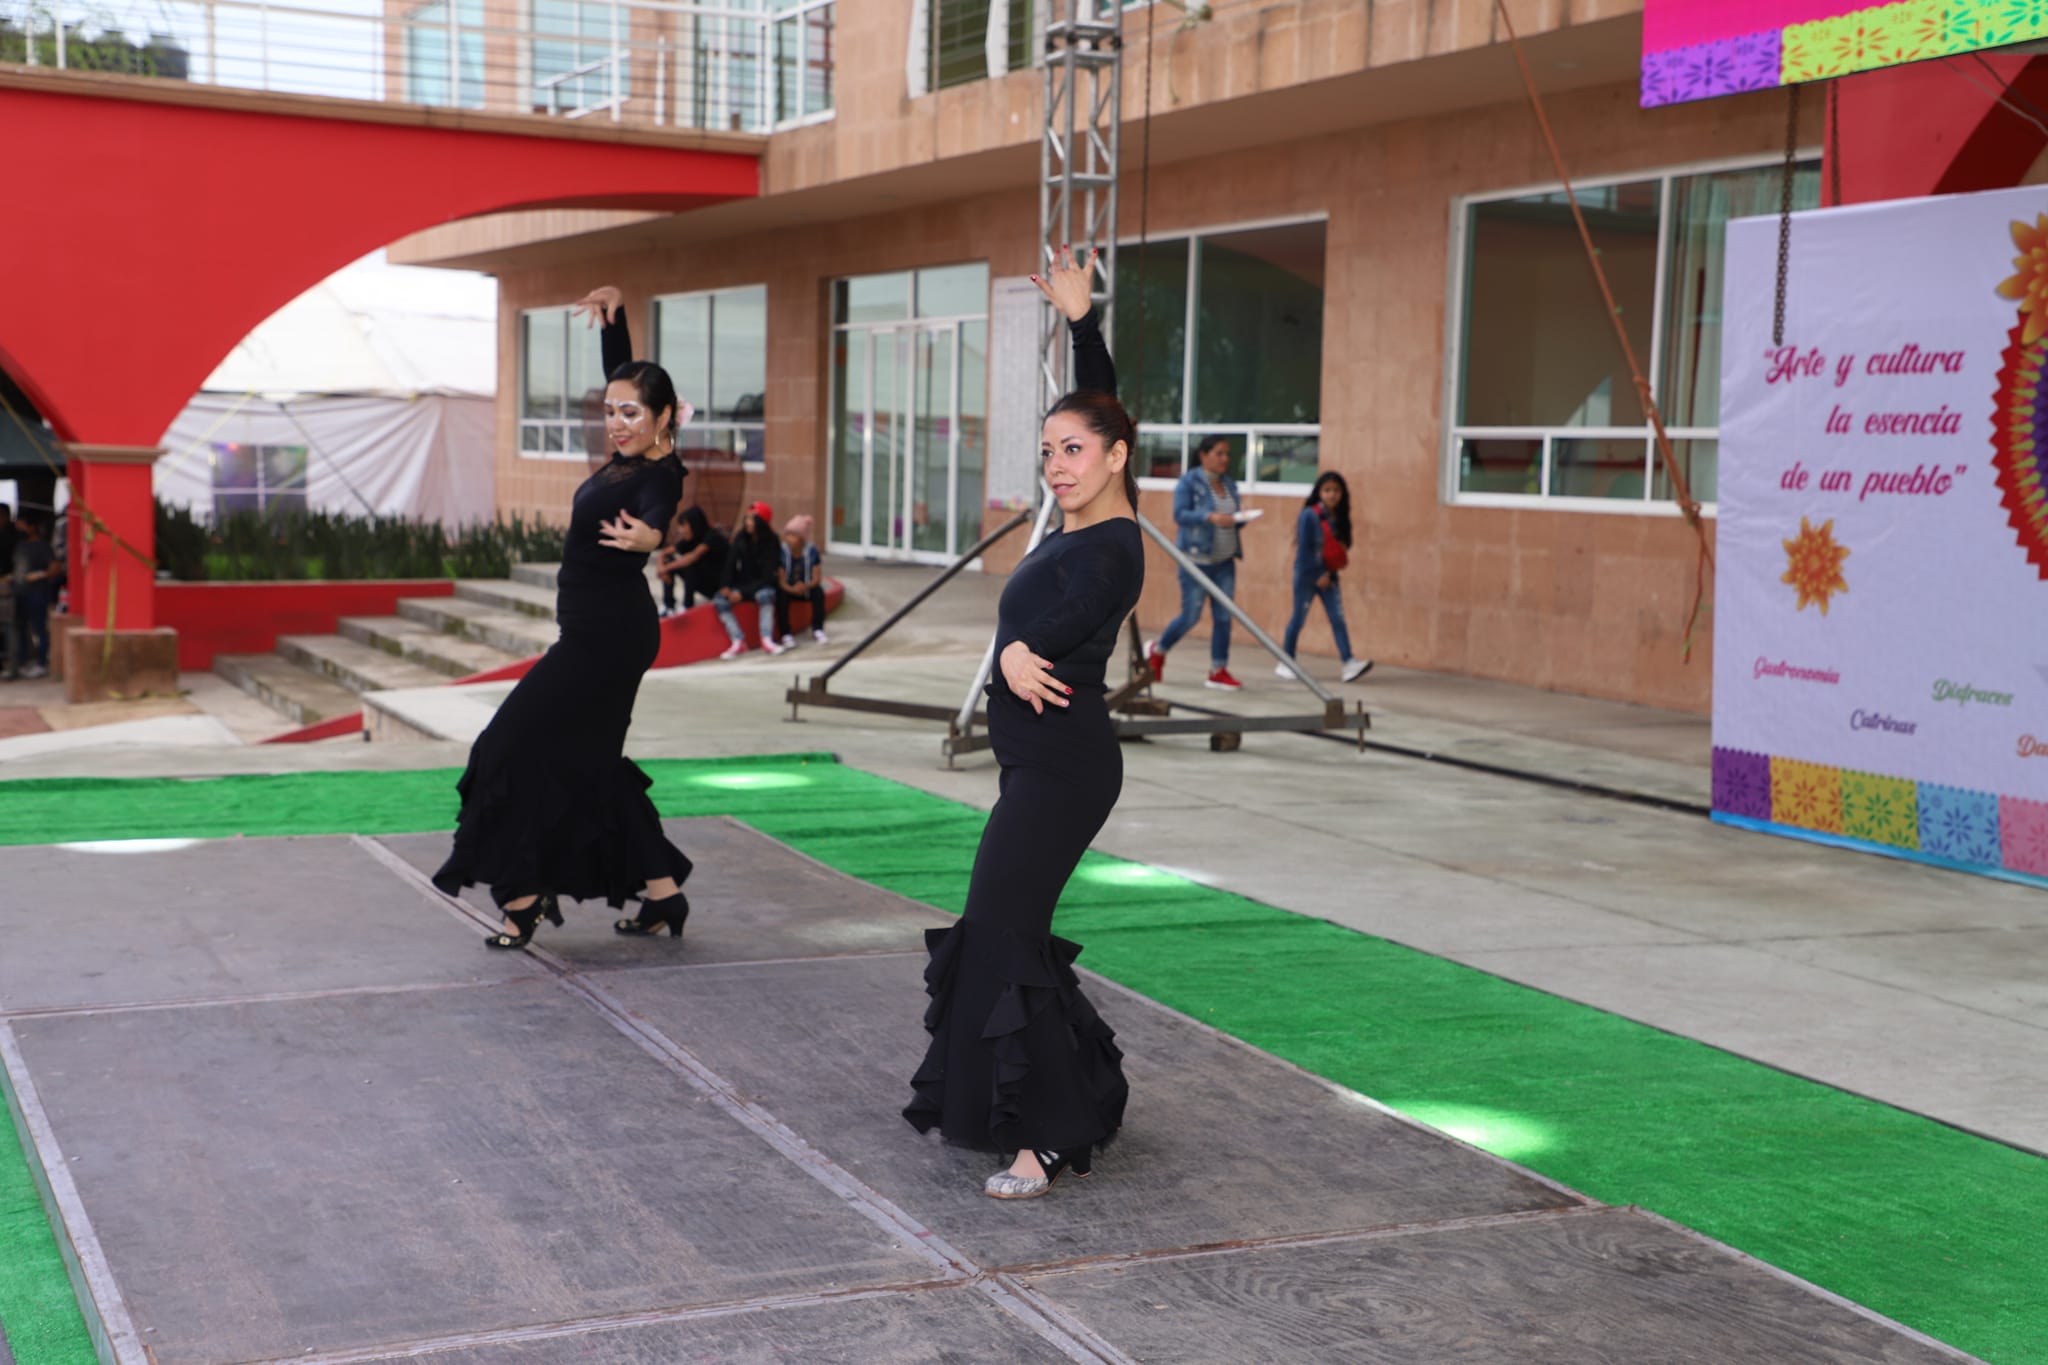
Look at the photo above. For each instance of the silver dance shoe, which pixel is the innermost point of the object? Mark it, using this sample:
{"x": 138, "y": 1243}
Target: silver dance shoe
{"x": 1004, "y": 1185}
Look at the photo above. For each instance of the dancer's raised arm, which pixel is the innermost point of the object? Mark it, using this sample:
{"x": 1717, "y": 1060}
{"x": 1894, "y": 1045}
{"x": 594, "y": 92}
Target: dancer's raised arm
{"x": 1069, "y": 287}
{"x": 606, "y": 305}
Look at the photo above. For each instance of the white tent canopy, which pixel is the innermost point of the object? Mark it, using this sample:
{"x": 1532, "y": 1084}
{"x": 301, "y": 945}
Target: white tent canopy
{"x": 371, "y": 392}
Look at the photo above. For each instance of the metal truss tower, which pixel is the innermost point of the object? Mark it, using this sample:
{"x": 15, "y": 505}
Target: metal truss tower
{"x": 1077, "y": 160}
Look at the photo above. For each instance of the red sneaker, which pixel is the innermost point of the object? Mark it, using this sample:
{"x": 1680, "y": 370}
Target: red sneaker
{"x": 1155, "y": 661}
{"x": 1221, "y": 680}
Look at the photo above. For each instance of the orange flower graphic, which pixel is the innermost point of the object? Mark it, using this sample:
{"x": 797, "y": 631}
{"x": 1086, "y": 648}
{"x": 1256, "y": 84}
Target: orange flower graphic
{"x": 1814, "y": 564}
{"x": 2029, "y": 282}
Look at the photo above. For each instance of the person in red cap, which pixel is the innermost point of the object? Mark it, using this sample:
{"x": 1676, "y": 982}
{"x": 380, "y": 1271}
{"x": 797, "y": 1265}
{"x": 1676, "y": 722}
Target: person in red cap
{"x": 750, "y": 569}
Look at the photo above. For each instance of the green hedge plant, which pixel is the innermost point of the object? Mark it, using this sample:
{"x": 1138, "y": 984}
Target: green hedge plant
{"x": 288, "y": 545}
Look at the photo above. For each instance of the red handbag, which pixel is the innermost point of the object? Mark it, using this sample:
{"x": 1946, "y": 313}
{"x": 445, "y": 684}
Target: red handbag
{"x": 1335, "y": 556}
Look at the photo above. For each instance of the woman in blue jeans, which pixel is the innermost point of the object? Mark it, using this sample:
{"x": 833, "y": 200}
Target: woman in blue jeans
{"x": 1205, "y": 507}
{"x": 1325, "y": 519}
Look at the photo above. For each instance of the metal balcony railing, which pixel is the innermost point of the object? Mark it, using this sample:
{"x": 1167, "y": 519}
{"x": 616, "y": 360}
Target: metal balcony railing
{"x": 730, "y": 67}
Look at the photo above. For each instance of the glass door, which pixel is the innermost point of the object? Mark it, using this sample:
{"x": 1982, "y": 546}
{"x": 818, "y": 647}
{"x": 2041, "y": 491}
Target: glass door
{"x": 897, "y": 437}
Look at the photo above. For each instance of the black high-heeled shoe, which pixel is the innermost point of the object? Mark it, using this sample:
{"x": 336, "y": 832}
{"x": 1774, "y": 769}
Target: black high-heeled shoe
{"x": 1004, "y": 1185}
{"x": 527, "y": 921}
{"x": 656, "y": 916}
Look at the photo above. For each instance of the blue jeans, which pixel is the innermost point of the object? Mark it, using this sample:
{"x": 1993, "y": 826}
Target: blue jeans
{"x": 765, "y": 599}
{"x": 29, "y": 636}
{"x": 1192, "y": 596}
{"x": 1305, "y": 592}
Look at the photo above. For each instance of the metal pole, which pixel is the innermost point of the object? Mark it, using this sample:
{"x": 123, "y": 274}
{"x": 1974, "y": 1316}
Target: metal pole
{"x": 1222, "y": 599}
{"x": 926, "y": 591}
{"x": 454, "y": 56}
{"x": 617, "y": 62}
{"x": 988, "y": 656}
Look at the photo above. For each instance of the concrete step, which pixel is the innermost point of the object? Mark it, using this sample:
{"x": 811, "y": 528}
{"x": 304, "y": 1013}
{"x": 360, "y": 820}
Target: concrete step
{"x": 356, "y": 666}
{"x": 536, "y": 575}
{"x": 299, "y": 694}
{"x": 452, "y": 656}
{"x": 510, "y": 595}
{"x": 513, "y": 632}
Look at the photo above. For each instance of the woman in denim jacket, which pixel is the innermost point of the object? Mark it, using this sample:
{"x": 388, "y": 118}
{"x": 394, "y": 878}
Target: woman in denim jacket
{"x": 1205, "y": 505}
{"x": 1325, "y": 512}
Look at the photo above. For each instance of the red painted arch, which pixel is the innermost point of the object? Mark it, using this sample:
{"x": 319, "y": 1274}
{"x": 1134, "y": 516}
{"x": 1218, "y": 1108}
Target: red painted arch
{"x": 147, "y": 238}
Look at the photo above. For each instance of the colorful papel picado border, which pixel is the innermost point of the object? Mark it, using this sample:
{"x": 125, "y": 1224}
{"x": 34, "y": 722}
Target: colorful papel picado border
{"x": 2005, "y": 836}
{"x": 1698, "y": 49}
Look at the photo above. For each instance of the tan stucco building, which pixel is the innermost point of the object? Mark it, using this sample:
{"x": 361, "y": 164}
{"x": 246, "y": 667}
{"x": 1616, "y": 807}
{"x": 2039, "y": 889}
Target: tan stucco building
{"x": 1355, "y": 258}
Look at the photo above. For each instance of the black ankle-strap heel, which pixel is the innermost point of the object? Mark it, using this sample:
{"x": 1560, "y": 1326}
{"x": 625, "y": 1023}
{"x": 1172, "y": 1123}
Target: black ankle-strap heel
{"x": 527, "y": 921}
{"x": 656, "y": 916}
{"x": 1081, "y": 1161}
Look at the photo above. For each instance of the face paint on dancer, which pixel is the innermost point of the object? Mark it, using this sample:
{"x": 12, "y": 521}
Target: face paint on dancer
{"x": 629, "y": 424}
{"x": 1086, "y": 478}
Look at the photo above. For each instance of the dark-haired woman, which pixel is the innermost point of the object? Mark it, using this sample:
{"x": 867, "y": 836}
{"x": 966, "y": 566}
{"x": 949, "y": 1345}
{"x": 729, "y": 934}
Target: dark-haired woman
{"x": 1322, "y": 547}
{"x": 1019, "y": 1062}
{"x": 696, "y": 560}
{"x": 551, "y": 806}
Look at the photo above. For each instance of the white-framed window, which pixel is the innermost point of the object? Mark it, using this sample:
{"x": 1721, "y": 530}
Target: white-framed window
{"x": 269, "y": 480}
{"x": 580, "y": 55}
{"x": 714, "y": 345}
{"x": 561, "y": 384}
{"x": 444, "y": 54}
{"x": 1542, "y": 410}
{"x": 805, "y": 41}
{"x": 1220, "y": 333}
{"x": 960, "y": 35}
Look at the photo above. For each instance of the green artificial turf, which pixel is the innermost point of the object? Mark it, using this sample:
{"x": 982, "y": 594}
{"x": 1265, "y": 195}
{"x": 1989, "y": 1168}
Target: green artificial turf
{"x": 37, "y": 1311}
{"x": 1938, "y": 1229}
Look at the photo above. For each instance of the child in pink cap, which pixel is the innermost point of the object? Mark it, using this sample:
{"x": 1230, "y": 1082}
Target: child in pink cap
{"x": 800, "y": 577}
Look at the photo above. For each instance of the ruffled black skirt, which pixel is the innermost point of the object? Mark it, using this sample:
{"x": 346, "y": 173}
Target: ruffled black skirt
{"x": 550, "y": 802}
{"x": 1018, "y": 1056}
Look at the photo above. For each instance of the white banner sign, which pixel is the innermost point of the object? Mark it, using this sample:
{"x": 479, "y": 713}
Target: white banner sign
{"x": 1881, "y": 601}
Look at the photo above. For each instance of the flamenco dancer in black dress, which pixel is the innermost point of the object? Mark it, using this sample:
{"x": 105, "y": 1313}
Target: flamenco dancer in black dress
{"x": 551, "y": 806}
{"x": 1019, "y": 1061}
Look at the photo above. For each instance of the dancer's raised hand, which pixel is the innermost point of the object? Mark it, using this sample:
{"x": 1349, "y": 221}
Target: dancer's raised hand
{"x": 628, "y": 532}
{"x": 1030, "y": 677}
{"x": 1069, "y": 285}
{"x": 601, "y": 304}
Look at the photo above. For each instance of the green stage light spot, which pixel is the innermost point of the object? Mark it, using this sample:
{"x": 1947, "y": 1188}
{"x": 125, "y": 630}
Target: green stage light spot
{"x": 1124, "y": 874}
{"x": 751, "y": 782}
{"x": 130, "y": 845}
{"x": 1513, "y": 1136}
{"x": 1112, "y": 873}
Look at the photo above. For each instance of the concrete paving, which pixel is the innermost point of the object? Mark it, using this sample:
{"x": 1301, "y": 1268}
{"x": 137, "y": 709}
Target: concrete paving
{"x": 630, "y": 1150}
{"x": 1912, "y": 985}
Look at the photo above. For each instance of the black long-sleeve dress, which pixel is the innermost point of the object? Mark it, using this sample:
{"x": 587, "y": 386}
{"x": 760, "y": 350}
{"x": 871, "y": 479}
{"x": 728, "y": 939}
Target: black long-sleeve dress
{"x": 550, "y": 802}
{"x": 1018, "y": 1056}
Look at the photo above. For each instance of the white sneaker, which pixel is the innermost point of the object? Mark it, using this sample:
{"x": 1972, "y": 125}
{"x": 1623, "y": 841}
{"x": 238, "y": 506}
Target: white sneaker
{"x": 818, "y": 637}
{"x": 789, "y": 642}
{"x": 774, "y": 646}
{"x": 734, "y": 650}
{"x": 35, "y": 671}
{"x": 1354, "y": 669}
{"x": 1282, "y": 671}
